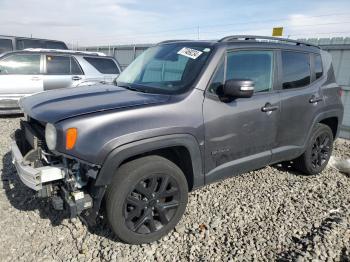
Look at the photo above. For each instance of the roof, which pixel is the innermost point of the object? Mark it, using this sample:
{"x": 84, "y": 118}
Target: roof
{"x": 33, "y": 38}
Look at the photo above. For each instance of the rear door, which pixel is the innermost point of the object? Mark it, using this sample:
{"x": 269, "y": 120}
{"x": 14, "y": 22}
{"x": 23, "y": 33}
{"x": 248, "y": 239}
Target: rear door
{"x": 20, "y": 74}
{"x": 301, "y": 100}
{"x": 61, "y": 71}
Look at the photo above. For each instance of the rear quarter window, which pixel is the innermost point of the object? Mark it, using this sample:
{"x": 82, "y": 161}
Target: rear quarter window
{"x": 5, "y": 45}
{"x": 318, "y": 66}
{"x": 103, "y": 65}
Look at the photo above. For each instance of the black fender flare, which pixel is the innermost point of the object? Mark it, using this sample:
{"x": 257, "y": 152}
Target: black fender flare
{"x": 123, "y": 152}
{"x": 324, "y": 115}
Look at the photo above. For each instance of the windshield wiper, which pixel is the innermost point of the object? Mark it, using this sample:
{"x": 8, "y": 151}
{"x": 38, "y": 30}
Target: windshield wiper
{"x": 129, "y": 87}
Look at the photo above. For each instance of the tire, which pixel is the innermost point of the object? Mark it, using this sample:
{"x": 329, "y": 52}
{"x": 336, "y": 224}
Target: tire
{"x": 318, "y": 151}
{"x": 146, "y": 199}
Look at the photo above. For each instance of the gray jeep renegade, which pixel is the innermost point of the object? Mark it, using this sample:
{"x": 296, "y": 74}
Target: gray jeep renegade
{"x": 184, "y": 114}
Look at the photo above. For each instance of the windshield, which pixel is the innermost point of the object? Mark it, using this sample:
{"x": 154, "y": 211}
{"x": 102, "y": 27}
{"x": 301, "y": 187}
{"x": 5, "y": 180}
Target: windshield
{"x": 168, "y": 68}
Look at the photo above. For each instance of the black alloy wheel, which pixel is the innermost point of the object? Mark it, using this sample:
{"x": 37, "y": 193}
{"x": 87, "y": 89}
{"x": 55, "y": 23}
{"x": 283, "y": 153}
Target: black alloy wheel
{"x": 320, "y": 150}
{"x": 146, "y": 199}
{"x": 151, "y": 204}
{"x": 317, "y": 152}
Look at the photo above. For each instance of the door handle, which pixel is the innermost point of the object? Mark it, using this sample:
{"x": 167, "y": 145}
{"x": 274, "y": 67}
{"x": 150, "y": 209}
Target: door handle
{"x": 315, "y": 99}
{"x": 76, "y": 78}
{"x": 35, "y": 78}
{"x": 269, "y": 108}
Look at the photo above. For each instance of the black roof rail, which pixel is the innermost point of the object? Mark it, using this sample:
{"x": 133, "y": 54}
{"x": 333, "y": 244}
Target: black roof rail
{"x": 256, "y": 37}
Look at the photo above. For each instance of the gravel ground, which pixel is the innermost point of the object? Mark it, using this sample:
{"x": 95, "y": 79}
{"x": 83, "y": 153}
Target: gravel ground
{"x": 269, "y": 214}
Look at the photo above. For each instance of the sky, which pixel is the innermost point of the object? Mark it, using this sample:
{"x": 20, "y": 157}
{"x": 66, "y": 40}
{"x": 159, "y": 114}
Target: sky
{"x": 113, "y": 22}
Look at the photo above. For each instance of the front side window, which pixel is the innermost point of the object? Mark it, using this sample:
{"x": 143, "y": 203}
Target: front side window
{"x": 5, "y": 45}
{"x": 218, "y": 78}
{"x": 296, "y": 69}
{"x": 169, "y": 68}
{"x": 103, "y": 65}
{"x": 20, "y": 64}
{"x": 251, "y": 65}
{"x": 318, "y": 66}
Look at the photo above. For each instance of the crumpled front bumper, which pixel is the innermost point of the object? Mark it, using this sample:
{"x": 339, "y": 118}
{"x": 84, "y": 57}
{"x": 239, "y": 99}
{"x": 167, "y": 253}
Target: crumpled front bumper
{"x": 34, "y": 178}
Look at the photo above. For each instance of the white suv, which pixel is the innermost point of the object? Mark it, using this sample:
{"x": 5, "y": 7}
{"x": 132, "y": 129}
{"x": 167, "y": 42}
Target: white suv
{"x": 35, "y": 70}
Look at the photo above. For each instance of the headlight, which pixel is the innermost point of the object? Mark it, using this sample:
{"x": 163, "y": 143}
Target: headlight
{"x": 50, "y": 136}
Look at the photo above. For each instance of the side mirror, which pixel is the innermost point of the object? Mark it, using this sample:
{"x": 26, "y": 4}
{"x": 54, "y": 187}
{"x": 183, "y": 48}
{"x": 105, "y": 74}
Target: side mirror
{"x": 238, "y": 88}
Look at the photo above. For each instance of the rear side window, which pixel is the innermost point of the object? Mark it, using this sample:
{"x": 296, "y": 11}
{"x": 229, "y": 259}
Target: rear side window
{"x": 296, "y": 69}
{"x": 5, "y": 45}
{"x": 37, "y": 43}
{"x": 318, "y": 66}
{"x": 62, "y": 65}
{"x": 57, "y": 65}
{"x": 55, "y": 45}
{"x": 27, "y": 43}
{"x": 20, "y": 64}
{"x": 103, "y": 65}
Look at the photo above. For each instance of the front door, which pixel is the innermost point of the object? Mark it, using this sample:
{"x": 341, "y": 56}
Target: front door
{"x": 240, "y": 134}
{"x": 20, "y": 74}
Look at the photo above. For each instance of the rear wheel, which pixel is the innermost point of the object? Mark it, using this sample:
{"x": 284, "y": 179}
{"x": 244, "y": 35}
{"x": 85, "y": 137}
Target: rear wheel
{"x": 318, "y": 151}
{"x": 146, "y": 199}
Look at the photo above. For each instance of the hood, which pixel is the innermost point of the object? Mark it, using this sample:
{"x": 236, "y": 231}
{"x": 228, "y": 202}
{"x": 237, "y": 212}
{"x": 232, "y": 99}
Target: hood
{"x": 53, "y": 106}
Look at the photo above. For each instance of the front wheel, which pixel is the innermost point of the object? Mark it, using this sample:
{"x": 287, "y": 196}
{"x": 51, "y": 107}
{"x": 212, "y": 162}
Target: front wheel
{"x": 146, "y": 199}
{"x": 318, "y": 151}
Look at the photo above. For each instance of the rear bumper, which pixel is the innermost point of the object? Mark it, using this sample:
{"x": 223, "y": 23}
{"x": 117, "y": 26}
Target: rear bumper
{"x": 34, "y": 178}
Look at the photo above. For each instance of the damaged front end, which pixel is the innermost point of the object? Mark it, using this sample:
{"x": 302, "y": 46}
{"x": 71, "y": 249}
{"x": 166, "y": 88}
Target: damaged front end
{"x": 67, "y": 181}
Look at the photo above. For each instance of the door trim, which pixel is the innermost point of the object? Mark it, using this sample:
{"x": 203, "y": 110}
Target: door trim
{"x": 238, "y": 166}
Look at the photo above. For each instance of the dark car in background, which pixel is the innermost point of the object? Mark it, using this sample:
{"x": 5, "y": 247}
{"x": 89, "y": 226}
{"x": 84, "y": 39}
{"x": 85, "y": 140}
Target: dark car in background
{"x": 12, "y": 43}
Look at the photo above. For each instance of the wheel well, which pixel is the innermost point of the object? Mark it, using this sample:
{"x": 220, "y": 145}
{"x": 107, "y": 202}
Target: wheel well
{"x": 178, "y": 155}
{"x": 332, "y": 122}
